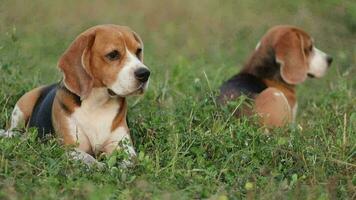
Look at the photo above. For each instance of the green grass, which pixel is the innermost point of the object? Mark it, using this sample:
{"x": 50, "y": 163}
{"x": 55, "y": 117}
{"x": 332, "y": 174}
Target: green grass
{"x": 188, "y": 147}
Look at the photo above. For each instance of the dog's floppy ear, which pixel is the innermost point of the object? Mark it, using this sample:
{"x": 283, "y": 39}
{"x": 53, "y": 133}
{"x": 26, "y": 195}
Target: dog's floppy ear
{"x": 74, "y": 65}
{"x": 289, "y": 50}
{"x": 139, "y": 40}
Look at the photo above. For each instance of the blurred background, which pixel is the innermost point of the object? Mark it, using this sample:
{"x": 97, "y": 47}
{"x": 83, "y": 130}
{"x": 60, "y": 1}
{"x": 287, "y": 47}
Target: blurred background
{"x": 214, "y": 36}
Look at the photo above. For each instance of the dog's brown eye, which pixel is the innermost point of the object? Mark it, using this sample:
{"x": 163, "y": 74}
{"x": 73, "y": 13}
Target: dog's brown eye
{"x": 311, "y": 48}
{"x": 138, "y": 52}
{"x": 114, "y": 55}
{"x": 308, "y": 49}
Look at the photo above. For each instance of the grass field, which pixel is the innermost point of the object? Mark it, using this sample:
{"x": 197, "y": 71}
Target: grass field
{"x": 188, "y": 147}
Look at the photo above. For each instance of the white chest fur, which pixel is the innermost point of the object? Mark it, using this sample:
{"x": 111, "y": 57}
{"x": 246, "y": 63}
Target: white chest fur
{"x": 92, "y": 121}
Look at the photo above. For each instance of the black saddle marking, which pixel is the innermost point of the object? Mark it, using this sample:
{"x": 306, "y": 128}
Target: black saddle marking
{"x": 241, "y": 84}
{"x": 41, "y": 117}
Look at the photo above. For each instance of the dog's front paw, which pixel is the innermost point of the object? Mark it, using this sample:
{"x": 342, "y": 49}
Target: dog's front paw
{"x": 97, "y": 164}
{"x": 125, "y": 164}
{"x": 91, "y": 162}
{"x": 2, "y": 133}
{"x": 87, "y": 159}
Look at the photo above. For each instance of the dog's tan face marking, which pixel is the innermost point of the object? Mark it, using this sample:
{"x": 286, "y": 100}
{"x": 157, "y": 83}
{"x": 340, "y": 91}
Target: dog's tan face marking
{"x": 115, "y": 56}
{"x": 296, "y": 53}
{"x": 104, "y": 56}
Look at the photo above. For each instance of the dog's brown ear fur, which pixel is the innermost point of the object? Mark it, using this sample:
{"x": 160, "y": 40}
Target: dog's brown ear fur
{"x": 289, "y": 50}
{"x": 74, "y": 64}
{"x": 139, "y": 40}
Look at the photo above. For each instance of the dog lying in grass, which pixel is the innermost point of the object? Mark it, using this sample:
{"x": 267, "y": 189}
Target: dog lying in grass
{"x": 88, "y": 107}
{"x": 284, "y": 58}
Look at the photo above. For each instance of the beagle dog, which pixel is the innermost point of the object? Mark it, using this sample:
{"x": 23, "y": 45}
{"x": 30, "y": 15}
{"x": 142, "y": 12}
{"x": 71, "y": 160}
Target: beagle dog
{"x": 88, "y": 107}
{"x": 284, "y": 58}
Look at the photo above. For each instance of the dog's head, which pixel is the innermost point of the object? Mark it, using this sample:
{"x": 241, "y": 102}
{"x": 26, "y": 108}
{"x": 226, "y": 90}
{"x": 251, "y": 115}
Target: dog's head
{"x": 295, "y": 52}
{"x": 108, "y": 56}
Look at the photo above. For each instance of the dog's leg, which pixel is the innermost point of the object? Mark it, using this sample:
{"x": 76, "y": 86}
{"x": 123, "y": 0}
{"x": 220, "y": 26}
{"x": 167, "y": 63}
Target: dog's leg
{"x": 18, "y": 119}
{"x": 273, "y": 107}
{"x": 127, "y": 146}
{"x": 86, "y": 158}
{"x": 22, "y": 111}
{"x": 71, "y": 135}
{"x": 121, "y": 141}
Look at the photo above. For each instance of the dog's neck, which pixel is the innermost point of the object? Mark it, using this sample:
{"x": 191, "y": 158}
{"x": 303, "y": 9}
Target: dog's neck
{"x": 99, "y": 97}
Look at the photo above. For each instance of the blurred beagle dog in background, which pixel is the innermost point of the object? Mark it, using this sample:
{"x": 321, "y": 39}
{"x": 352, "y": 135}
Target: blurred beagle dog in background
{"x": 284, "y": 58}
{"x": 88, "y": 107}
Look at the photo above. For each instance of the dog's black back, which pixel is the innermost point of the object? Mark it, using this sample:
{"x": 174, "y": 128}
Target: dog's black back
{"x": 241, "y": 84}
{"x": 41, "y": 117}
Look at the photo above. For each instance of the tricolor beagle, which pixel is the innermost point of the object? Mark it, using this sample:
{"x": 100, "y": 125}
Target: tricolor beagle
{"x": 88, "y": 107}
{"x": 283, "y": 58}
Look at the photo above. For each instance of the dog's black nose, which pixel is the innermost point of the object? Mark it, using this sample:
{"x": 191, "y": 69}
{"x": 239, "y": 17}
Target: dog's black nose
{"x": 329, "y": 59}
{"x": 142, "y": 74}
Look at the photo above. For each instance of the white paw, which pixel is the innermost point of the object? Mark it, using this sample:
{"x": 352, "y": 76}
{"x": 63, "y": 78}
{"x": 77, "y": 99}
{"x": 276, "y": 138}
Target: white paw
{"x": 7, "y": 134}
{"x": 91, "y": 161}
{"x": 130, "y": 161}
{"x": 86, "y": 159}
{"x": 125, "y": 164}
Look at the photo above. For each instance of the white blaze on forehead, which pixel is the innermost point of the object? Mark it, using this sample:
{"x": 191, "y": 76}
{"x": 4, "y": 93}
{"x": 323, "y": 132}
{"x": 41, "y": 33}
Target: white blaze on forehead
{"x": 318, "y": 63}
{"x": 126, "y": 82}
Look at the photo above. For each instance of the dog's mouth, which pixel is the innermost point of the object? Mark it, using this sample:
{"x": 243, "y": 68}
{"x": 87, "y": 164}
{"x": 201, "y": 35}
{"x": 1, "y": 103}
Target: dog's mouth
{"x": 111, "y": 93}
{"x": 139, "y": 89}
{"x": 311, "y": 75}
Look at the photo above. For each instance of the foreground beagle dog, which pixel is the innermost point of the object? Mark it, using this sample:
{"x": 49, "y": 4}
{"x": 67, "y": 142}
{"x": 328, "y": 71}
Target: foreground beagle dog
{"x": 283, "y": 58}
{"x": 88, "y": 107}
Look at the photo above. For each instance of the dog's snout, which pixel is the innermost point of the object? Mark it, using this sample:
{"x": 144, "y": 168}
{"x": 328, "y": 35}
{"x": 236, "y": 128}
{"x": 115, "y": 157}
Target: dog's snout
{"x": 329, "y": 59}
{"x": 142, "y": 74}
